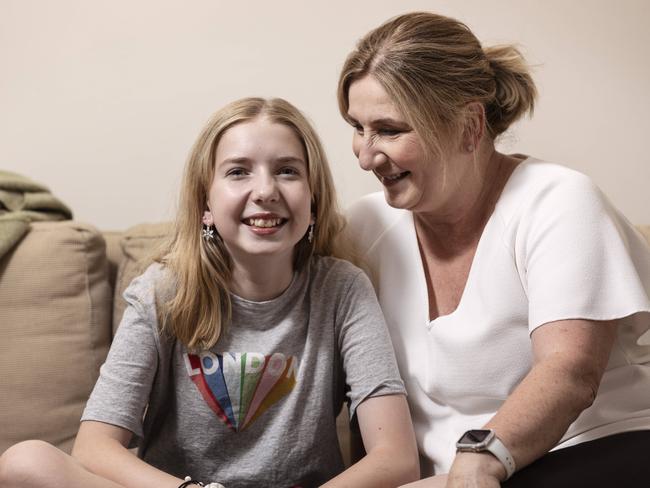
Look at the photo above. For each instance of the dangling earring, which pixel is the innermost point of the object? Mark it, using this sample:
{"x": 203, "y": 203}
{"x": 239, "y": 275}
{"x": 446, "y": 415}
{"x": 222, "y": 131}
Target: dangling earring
{"x": 208, "y": 232}
{"x": 310, "y": 235}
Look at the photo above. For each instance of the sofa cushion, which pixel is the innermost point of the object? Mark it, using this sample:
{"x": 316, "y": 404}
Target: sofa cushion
{"x": 114, "y": 253}
{"x": 55, "y": 329}
{"x": 139, "y": 245}
{"x": 645, "y": 232}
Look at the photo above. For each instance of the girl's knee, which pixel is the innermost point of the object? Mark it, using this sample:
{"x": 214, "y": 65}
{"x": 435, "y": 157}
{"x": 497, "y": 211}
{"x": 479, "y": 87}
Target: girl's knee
{"x": 27, "y": 464}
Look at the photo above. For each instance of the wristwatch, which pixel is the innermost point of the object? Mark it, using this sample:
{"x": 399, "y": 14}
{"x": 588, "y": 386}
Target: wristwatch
{"x": 486, "y": 440}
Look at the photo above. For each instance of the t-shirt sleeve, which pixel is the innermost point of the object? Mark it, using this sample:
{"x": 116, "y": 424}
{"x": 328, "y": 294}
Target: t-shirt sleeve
{"x": 579, "y": 258}
{"x": 122, "y": 391}
{"x": 365, "y": 346}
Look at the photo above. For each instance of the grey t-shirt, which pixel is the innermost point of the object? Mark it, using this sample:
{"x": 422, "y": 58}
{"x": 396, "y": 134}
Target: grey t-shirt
{"x": 259, "y": 408}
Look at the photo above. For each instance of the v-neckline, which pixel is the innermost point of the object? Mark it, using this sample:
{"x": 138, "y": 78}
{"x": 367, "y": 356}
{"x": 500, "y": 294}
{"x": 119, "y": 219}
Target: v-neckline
{"x": 422, "y": 273}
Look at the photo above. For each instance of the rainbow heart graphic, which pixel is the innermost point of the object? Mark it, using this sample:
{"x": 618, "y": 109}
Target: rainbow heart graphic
{"x": 239, "y": 387}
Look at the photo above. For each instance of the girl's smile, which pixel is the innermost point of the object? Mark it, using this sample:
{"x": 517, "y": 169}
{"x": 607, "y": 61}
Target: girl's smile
{"x": 264, "y": 223}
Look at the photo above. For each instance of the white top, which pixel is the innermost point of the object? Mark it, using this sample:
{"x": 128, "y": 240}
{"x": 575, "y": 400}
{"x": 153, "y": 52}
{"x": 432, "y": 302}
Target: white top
{"x": 554, "y": 248}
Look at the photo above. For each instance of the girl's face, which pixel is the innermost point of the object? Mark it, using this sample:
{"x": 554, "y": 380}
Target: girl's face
{"x": 388, "y": 146}
{"x": 259, "y": 200}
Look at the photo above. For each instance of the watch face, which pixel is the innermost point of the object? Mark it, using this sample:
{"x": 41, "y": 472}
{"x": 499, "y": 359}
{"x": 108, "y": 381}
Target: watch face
{"x": 476, "y": 436}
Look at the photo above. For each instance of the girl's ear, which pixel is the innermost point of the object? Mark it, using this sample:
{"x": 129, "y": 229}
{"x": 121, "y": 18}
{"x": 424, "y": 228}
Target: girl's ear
{"x": 207, "y": 218}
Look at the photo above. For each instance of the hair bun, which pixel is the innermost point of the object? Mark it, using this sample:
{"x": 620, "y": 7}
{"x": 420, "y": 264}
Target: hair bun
{"x": 515, "y": 91}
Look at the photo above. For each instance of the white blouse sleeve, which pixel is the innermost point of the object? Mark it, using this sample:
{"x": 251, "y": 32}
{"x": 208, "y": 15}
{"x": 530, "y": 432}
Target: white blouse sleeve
{"x": 578, "y": 257}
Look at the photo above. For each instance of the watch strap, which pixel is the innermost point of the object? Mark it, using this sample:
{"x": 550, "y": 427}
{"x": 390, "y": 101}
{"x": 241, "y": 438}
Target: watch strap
{"x": 500, "y": 451}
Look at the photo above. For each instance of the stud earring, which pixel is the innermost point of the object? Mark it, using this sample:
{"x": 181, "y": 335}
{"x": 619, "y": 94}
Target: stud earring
{"x": 208, "y": 232}
{"x": 470, "y": 148}
{"x": 310, "y": 235}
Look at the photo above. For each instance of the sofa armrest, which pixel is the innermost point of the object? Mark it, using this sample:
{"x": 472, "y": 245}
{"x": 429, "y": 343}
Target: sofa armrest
{"x": 55, "y": 330}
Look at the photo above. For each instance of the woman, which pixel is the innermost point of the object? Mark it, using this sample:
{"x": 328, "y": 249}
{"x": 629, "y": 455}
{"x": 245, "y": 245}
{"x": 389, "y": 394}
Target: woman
{"x": 514, "y": 292}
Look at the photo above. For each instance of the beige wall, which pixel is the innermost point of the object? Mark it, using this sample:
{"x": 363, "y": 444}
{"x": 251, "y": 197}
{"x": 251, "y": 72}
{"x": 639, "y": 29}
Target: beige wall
{"x": 101, "y": 100}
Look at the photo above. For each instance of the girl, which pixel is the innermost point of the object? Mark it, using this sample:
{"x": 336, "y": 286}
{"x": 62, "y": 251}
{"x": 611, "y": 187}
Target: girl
{"x": 238, "y": 344}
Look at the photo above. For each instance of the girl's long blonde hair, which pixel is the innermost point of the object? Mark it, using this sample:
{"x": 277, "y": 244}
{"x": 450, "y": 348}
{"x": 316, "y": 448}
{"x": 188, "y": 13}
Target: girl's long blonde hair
{"x": 199, "y": 305}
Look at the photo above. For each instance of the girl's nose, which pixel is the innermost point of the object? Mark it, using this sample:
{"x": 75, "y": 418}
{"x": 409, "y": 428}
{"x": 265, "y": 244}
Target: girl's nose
{"x": 265, "y": 188}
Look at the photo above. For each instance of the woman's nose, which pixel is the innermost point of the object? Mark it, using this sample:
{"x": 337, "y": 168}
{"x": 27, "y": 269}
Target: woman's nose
{"x": 364, "y": 151}
{"x": 370, "y": 157}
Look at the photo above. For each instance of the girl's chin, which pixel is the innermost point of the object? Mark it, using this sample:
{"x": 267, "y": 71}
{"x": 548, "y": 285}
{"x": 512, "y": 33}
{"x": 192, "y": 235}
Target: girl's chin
{"x": 271, "y": 252}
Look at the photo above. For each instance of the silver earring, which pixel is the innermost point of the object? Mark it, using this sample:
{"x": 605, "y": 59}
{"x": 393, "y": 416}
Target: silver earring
{"x": 470, "y": 148}
{"x": 208, "y": 232}
{"x": 310, "y": 236}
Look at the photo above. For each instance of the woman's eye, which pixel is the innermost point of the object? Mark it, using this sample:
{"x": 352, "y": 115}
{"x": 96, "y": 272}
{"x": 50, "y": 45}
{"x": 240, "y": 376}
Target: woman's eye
{"x": 388, "y": 132}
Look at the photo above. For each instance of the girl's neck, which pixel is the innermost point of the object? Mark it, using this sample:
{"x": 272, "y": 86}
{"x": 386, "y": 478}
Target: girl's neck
{"x": 262, "y": 278}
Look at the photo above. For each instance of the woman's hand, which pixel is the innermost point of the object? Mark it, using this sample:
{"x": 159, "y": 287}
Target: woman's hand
{"x": 439, "y": 481}
{"x": 469, "y": 470}
{"x": 475, "y": 470}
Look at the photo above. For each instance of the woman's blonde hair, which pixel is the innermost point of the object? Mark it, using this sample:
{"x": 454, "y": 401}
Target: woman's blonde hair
{"x": 433, "y": 66}
{"x": 199, "y": 306}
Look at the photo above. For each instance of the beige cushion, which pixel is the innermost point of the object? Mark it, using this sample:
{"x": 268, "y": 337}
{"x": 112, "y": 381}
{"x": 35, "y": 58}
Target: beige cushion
{"x": 139, "y": 245}
{"x": 114, "y": 253}
{"x": 55, "y": 316}
{"x": 645, "y": 231}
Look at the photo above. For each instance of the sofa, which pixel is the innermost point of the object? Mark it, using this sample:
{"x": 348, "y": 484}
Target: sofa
{"x": 60, "y": 305}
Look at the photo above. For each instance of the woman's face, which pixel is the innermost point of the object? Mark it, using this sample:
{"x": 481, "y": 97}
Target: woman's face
{"x": 388, "y": 146}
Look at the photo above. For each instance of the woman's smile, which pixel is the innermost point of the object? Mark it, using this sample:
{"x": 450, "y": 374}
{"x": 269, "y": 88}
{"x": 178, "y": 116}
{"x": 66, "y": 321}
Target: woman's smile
{"x": 391, "y": 179}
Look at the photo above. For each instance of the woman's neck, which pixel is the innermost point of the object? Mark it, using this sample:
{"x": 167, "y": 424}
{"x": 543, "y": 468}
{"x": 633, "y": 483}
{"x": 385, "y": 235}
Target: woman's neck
{"x": 464, "y": 226}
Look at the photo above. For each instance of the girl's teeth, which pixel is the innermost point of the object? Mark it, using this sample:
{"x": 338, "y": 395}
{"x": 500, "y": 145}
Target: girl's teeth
{"x": 264, "y": 222}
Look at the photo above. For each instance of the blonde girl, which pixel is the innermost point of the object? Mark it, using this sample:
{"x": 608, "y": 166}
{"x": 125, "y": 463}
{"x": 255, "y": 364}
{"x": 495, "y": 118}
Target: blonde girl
{"x": 241, "y": 343}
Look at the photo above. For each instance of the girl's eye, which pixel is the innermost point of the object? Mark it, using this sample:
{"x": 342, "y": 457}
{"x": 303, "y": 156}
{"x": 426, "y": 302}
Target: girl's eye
{"x": 236, "y": 172}
{"x": 289, "y": 170}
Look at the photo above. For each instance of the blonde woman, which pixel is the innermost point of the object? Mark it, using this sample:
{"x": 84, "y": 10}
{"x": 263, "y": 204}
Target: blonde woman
{"x": 514, "y": 293}
{"x": 239, "y": 346}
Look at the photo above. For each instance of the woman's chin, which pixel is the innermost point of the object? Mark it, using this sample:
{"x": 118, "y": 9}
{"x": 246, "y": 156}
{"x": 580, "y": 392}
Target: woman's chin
{"x": 402, "y": 199}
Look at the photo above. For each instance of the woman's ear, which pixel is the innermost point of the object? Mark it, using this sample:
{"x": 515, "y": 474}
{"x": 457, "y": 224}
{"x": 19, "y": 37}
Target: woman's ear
{"x": 474, "y": 126}
{"x": 207, "y": 218}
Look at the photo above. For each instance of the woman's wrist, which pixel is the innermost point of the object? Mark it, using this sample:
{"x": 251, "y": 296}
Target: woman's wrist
{"x": 480, "y": 463}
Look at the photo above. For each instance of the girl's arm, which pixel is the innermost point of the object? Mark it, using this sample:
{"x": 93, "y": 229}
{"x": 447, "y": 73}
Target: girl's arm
{"x": 102, "y": 449}
{"x": 389, "y": 441}
{"x": 570, "y": 357}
